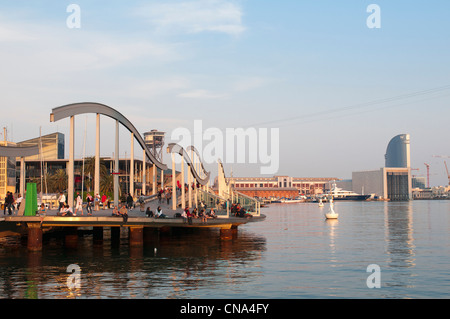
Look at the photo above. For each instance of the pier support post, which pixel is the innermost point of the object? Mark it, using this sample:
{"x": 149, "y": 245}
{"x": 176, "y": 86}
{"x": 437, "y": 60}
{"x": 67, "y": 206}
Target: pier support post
{"x": 71, "y": 237}
{"x": 34, "y": 237}
{"x": 226, "y": 232}
{"x": 136, "y": 236}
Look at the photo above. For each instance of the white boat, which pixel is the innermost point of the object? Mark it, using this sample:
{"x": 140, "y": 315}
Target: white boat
{"x": 331, "y": 213}
{"x": 341, "y": 194}
{"x": 289, "y": 200}
{"x": 296, "y": 200}
{"x": 320, "y": 202}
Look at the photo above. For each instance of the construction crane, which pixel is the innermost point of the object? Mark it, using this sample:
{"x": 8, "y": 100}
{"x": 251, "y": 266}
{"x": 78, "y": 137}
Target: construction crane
{"x": 428, "y": 174}
{"x": 448, "y": 174}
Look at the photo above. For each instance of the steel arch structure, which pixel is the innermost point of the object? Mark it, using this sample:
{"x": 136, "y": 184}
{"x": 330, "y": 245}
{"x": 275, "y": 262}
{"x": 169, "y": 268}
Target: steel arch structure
{"x": 177, "y": 149}
{"x": 69, "y": 110}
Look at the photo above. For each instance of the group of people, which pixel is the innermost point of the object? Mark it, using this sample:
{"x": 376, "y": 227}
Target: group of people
{"x": 11, "y": 204}
{"x": 188, "y": 215}
{"x": 238, "y": 211}
{"x": 92, "y": 203}
{"x": 123, "y": 212}
{"x": 164, "y": 194}
{"x": 66, "y": 210}
{"x": 157, "y": 214}
{"x": 186, "y": 186}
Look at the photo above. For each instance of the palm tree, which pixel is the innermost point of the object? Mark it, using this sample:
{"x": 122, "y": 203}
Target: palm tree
{"x": 107, "y": 184}
{"x": 59, "y": 180}
{"x": 46, "y": 179}
{"x": 89, "y": 170}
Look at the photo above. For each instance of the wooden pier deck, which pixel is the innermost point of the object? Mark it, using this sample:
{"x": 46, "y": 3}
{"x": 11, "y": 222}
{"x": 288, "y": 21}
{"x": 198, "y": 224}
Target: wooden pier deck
{"x": 113, "y": 221}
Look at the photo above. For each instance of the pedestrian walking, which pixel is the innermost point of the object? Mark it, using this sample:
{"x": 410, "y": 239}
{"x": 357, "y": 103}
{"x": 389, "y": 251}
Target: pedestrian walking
{"x": 61, "y": 201}
{"x": 89, "y": 200}
{"x": 159, "y": 197}
{"x": 168, "y": 196}
{"x": 79, "y": 205}
{"x": 18, "y": 202}
{"x": 129, "y": 201}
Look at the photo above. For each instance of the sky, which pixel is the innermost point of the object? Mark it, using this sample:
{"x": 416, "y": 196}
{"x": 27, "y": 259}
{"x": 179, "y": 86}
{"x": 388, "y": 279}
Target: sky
{"x": 336, "y": 89}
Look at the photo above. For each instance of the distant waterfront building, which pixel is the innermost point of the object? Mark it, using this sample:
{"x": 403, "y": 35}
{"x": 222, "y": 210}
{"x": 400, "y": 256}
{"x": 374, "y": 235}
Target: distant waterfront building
{"x": 280, "y": 186}
{"x": 392, "y": 182}
{"x": 419, "y": 182}
{"x": 386, "y": 183}
{"x": 398, "y": 152}
{"x": 7, "y": 172}
{"x": 440, "y": 192}
{"x": 52, "y": 146}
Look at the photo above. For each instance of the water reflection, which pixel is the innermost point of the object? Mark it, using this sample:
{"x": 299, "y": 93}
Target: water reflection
{"x": 167, "y": 266}
{"x": 332, "y": 225}
{"x": 399, "y": 239}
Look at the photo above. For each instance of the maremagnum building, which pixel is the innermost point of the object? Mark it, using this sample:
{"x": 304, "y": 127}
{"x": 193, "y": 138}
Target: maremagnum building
{"x": 393, "y": 181}
{"x": 280, "y": 186}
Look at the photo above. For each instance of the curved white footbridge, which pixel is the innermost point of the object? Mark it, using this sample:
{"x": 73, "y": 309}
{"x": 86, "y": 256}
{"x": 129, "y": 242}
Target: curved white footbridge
{"x": 137, "y": 222}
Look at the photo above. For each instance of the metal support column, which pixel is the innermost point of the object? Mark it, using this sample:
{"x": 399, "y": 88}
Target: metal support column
{"x": 174, "y": 184}
{"x": 116, "y": 167}
{"x": 70, "y": 173}
{"x": 97, "y": 157}
{"x": 132, "y": 166}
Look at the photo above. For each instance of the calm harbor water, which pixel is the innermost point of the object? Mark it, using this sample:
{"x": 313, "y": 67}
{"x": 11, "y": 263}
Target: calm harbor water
{"x": 295, "y": 253}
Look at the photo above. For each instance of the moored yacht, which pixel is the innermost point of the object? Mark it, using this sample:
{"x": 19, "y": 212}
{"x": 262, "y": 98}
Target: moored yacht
{"x": 340, "y": 194}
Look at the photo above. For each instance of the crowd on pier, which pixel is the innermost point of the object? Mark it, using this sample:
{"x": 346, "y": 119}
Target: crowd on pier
{"x": 94, "y": 202}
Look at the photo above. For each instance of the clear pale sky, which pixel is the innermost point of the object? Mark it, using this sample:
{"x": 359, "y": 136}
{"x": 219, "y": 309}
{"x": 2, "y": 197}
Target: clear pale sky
{"x": 337, "y": 90}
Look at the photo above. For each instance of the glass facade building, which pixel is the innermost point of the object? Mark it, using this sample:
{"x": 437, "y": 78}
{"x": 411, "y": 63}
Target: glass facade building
{"x": 398, "y": 152}
{"x": 398, "y": 156}
{"x": 7, "y": 172}
{"x": 52, "y": 146}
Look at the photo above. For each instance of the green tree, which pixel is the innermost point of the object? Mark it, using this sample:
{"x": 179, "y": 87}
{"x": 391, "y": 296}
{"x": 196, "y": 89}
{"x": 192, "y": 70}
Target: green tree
{"x": 107, "y": 184}
{"x": 89, "y": 171}
{"x": 58, "y": 181}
